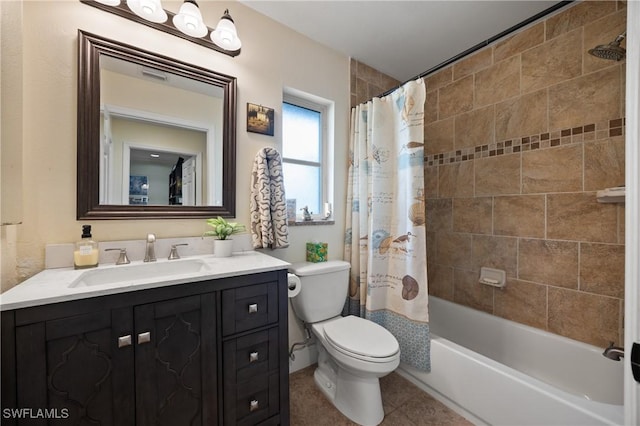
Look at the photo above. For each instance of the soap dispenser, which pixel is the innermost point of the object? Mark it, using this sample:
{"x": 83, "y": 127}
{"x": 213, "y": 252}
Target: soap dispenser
{"x": 86, "y": 252}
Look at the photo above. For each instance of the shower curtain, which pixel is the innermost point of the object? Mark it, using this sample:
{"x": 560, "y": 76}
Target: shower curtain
{"x": 385, "y": 239}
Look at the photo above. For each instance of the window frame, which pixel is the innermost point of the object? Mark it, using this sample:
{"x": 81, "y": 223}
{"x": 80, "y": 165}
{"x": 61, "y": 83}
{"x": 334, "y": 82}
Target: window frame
{"x": 325, "y": 163}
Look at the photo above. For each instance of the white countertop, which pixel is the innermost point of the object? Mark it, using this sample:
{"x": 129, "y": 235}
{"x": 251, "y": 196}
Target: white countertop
{"x": 52, "y": 285}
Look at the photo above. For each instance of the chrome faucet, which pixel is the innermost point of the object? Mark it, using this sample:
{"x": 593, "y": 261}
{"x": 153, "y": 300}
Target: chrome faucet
{"x": 150, "y": 252}
{"x": 613, "y": 352}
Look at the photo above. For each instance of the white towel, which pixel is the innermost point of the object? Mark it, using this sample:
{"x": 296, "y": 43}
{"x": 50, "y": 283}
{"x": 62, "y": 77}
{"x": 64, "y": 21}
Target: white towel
{"x": 268, "y": 203}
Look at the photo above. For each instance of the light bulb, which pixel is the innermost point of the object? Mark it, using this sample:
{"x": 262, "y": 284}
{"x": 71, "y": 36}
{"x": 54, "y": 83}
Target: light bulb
{"x": 226, "y": 37}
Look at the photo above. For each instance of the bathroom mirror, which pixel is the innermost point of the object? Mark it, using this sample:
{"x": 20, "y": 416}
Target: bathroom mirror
{"x": 156, "y": 136}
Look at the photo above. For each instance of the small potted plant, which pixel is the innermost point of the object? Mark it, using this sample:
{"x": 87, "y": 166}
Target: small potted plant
{"x": 222, "y": 230}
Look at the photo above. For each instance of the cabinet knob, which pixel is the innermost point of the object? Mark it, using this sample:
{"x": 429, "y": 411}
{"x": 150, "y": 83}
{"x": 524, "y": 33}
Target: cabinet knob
{"x": 124, "y": 341}
{"x": 254, "y": 405}
{"x": 253, "y": 308}
{"x": 144, "y": 337}
{"x": 253, "y": 356}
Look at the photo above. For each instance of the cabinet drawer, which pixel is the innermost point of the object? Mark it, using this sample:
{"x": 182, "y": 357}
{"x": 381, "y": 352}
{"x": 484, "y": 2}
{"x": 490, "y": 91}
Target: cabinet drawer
{"x": 251, "y": 402}
{"x": 251, "y": 355}
{"x": 249, "y": 307}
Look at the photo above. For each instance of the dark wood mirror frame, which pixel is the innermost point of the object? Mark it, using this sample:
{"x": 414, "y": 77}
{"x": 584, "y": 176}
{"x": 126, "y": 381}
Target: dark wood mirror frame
{"x": 90, "y": 47}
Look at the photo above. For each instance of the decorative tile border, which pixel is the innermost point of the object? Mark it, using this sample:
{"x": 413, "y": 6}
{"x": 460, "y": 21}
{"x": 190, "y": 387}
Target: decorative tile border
{"x": 580, "y": 134}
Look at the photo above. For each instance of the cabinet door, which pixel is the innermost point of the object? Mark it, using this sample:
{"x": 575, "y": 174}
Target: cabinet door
{"x": 176, "y": 362}
{"x": 74, "y": 368}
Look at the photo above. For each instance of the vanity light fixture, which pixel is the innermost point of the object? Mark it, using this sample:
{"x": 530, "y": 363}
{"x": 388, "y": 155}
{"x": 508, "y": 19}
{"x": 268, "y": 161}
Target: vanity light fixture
{"x": 189, "y": 20}
{"x": 151, "y": 10}
{"x": 225, "y": 35}
{"x": 187, "y": 23}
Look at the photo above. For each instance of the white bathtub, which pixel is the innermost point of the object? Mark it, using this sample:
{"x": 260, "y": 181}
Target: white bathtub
{"x": 503, "y": 373}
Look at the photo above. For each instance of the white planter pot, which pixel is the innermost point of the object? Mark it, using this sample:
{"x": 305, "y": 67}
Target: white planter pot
{"x": 222, "y": 248}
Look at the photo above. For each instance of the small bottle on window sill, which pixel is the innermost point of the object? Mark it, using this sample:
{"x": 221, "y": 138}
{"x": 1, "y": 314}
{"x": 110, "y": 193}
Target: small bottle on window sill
{"x": 305, "y": 213}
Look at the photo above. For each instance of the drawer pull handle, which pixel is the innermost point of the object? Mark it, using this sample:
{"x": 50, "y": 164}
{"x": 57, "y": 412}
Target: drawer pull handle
{"x": 254, "y": 405}
{"x": 124, "y": 341}
{"x": 253, "y": 308}
{"x": 253, "y": 356}
{"x": 144, "y": 337}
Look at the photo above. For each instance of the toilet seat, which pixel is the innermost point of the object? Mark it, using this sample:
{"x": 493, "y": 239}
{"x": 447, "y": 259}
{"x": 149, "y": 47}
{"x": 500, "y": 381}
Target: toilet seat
{"x": 362, "y": 339}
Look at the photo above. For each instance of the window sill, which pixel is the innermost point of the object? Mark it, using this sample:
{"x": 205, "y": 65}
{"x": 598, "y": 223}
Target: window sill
{"x": 312, "y": 222}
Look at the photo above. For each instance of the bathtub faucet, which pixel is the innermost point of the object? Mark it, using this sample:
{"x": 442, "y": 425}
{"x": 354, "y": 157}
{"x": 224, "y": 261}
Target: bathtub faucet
{"x": 613, "y": 352}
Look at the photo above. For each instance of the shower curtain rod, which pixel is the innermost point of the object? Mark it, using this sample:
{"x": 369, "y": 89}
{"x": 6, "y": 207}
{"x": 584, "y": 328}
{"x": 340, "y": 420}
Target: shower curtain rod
{"x": 485, "y": 43}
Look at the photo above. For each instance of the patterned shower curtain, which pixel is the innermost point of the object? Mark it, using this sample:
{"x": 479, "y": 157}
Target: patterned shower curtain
{"x": 385, "y": 239}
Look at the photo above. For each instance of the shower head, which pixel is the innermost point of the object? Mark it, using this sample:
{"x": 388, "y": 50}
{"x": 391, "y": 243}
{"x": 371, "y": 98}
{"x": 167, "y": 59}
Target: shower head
{"x": 611, "y": 51}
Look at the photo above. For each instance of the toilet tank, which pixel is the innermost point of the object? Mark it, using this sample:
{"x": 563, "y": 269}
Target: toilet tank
{"x": 323, "y": 290}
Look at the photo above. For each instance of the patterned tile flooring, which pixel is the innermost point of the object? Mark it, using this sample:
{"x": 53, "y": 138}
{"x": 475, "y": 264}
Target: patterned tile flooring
{"x": 404, "y": 404}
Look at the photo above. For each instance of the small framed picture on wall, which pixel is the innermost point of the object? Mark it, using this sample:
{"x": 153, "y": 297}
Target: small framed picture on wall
{"x": 260, "y": 119}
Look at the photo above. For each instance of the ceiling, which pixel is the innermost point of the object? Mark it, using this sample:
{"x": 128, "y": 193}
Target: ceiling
{"x": 400, "y": 38}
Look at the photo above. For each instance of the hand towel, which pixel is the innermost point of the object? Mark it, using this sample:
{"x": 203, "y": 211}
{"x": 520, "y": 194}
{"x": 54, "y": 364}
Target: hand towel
{"x": 268, "y": 204}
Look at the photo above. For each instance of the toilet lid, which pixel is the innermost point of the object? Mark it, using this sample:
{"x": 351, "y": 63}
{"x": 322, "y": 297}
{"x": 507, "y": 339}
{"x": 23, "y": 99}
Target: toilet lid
{"x": 362, "y": 337}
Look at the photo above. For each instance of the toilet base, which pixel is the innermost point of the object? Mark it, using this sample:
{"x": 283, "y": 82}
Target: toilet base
{"x": 358, "y": 398}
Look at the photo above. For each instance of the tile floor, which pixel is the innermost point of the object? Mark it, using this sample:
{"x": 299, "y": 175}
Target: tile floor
{"x": 404, "y": 404}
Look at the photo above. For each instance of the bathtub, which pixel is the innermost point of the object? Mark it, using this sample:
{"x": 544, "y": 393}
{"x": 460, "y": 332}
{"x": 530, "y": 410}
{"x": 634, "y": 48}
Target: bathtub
{"x": 499, "y": 372}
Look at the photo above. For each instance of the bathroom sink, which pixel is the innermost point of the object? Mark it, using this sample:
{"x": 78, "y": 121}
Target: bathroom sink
{"x": 144, "y": 271}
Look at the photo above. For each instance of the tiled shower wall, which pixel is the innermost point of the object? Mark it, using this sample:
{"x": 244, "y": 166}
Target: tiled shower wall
{"x": 367, "y": 82}
{"x": 519, "y": 137}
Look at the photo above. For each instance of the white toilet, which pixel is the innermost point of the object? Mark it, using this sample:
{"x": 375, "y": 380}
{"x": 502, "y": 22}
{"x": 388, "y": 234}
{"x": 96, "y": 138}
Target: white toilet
{"x": 353, "y": 353}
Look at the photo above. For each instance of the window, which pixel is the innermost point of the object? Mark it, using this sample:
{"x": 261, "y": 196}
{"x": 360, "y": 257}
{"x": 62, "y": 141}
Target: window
{"x": 305, "y": 154}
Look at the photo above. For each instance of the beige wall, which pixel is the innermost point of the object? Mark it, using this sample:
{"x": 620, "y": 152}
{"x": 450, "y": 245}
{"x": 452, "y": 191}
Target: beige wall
{"x": 273, "y": 57}
{"x": 519, "y": 137}
{"x": 10, "y": 135}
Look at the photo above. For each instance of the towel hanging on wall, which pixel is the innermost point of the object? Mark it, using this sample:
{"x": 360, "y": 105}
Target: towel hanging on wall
{"x": 268, "y": 203}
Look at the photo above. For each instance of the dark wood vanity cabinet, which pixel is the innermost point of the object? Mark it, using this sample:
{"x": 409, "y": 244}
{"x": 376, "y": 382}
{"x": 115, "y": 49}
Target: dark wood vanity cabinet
{"x": 204, "y": 353}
